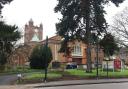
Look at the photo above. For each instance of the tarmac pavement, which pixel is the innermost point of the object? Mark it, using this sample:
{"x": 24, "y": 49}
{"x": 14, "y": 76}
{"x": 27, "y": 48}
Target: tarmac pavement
{"x": 63, "y": 83}
{"x": 81, "y": 82}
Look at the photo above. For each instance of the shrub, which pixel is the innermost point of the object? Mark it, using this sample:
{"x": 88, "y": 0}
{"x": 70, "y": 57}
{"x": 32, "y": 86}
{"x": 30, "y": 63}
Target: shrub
{"x": 40, "y": 57}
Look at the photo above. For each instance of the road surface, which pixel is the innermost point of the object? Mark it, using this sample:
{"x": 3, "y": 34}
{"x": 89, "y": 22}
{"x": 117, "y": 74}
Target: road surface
{"x": 92, "y": 86}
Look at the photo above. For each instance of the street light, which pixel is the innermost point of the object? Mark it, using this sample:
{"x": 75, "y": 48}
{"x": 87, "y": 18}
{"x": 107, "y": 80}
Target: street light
{"x": 97, "y": 57}
{"x": 95, "y": 38}
{"x": 46, "y": 62}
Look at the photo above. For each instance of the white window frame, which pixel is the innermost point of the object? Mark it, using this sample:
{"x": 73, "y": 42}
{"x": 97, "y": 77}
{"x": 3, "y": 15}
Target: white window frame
{"x": 77, "y": 50}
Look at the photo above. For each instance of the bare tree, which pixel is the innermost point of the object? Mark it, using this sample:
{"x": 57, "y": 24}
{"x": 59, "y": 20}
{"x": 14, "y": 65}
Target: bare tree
{"x": 23, "y": 50}
{"x": 120, "y": 27}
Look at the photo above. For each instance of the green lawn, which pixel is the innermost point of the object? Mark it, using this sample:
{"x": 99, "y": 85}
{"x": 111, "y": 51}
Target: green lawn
{"x": 55, "y": 75}
{"x": 115, "y": 74}
{"x": 40, "y": 75}
{"x": 82, "y": 73}
{"x": 78, "y": 73}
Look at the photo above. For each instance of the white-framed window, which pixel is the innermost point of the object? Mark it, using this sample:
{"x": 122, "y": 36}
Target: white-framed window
{"x": 77, "y": 51}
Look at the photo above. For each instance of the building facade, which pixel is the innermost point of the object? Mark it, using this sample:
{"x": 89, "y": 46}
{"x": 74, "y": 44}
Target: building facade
{"x": 77, "y": 51}
{"x": 33, "y": 33}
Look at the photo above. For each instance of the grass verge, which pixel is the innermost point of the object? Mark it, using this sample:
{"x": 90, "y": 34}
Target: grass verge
{"x": 71, "y": 74}
{"x": 102, "y": 74}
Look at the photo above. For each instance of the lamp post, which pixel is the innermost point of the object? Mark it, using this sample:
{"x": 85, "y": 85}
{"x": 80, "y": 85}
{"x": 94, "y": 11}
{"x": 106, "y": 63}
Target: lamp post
{"x": 95, "y": 38}
{"x": 97, "y": 73}
{"x": 46, "y": 62}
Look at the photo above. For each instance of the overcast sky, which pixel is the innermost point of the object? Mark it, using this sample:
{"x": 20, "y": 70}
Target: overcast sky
{"x": 19, "y": 12}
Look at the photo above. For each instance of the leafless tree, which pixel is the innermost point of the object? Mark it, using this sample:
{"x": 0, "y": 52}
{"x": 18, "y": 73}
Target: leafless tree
{"x": 120, "y": 27}
{"x": 23, "y": 50}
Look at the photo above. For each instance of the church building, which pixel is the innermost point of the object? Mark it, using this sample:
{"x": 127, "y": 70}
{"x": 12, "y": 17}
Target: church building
{"x": 33, "y": 33}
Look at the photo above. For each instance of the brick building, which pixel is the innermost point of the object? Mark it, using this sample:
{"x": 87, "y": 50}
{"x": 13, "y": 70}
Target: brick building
{"x": 33, "y": 33}
{"x": 77, "y": 54}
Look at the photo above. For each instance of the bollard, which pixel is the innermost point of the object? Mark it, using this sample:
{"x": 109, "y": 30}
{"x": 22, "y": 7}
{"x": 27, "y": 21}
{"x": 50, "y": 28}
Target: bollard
{"x": 19, "y": 76}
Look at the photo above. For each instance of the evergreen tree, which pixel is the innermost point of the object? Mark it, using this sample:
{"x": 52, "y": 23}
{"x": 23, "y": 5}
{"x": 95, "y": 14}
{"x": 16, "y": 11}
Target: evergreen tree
{"x": 39, "y": 56}
{"x": 8, "y": 37}
{"x": 109, "y": 45}
{"x": 80, "y": 18}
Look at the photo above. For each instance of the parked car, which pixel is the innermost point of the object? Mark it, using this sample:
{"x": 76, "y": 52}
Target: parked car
{"x": 71, "y": 66}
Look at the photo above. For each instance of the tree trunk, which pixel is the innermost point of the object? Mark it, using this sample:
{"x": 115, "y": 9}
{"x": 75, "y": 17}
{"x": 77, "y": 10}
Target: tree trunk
{"x": 88, "y": 32}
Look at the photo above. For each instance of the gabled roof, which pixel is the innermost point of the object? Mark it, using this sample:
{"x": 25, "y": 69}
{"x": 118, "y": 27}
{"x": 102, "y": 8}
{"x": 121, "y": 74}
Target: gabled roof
{"x": 53, "y": 39}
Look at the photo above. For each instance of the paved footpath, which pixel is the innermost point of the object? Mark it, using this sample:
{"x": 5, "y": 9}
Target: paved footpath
{"x": 82, "y": 82}
{"x": 15, "y": 87}
{"x": 63, "y": 83}
{"x": 7, "y": 79}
